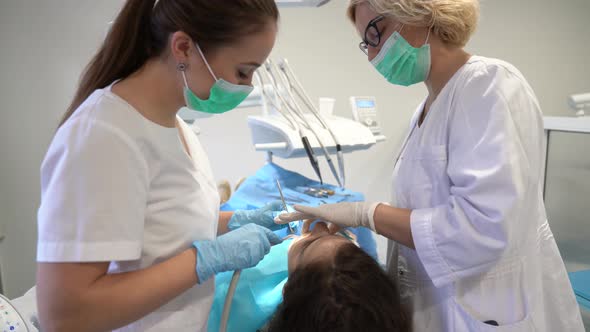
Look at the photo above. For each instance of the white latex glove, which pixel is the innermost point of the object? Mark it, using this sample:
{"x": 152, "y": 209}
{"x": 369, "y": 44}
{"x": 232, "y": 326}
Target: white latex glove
{"x": 347, "y": 214}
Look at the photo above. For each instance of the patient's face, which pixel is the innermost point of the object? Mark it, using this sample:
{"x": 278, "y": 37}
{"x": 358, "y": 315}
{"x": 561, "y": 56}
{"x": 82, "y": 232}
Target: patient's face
{"x": 316, "y": 245}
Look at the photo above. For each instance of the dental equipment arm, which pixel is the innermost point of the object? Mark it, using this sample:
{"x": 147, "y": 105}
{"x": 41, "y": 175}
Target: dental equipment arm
{"x": 291, "y": 119}
{"x": 308, "y": 150}
{"x": 295, "y": 109}
{"x": 294, "y": 106}
{"x": 292, "y": 122}
{"x": 302, "y": 94}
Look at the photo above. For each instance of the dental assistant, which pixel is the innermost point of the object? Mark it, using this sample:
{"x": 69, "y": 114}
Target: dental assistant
{"x": 130, "y": 233}
{"x": 476, "y": 252}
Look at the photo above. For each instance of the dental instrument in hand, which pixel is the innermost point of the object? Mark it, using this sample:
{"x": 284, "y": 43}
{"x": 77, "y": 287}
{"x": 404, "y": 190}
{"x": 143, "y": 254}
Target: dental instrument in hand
{"x": 291, "y": 230}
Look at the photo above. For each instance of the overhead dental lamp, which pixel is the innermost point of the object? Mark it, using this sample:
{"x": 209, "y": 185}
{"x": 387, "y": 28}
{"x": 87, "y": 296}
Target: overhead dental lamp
{"x": 579, "y": 103}
{"x": 301, "y": 3}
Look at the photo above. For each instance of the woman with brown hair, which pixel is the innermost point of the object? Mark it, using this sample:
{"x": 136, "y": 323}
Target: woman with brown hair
{"x": 129, "y": 216}
{"x": 328, "y": 289}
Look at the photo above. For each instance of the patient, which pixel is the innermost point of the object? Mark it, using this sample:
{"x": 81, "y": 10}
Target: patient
{"x": 334, "y": 285}
{"x": 326, "y": 290}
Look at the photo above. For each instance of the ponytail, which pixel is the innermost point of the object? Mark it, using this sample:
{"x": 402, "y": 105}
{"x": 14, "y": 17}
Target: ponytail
{"x": 125, "y": 49}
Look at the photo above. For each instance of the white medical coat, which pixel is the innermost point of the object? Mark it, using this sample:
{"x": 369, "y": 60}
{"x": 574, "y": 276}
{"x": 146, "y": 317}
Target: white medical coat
{"x": 119, "y": 188}
{"x": 471, "y": 173}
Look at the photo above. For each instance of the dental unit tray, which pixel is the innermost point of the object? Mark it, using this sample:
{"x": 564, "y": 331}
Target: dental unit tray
{"x": 272, "y": 133}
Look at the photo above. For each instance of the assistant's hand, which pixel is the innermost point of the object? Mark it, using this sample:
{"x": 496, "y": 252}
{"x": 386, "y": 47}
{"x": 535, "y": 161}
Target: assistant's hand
{"x": 239, "y": 249}
{"x": 263, "y": 217}
{"x": 355, "y": 214}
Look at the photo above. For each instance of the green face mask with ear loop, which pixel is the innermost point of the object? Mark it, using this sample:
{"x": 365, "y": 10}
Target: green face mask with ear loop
{"x": 223, "y": 96}
{"x": 401, "y": 63}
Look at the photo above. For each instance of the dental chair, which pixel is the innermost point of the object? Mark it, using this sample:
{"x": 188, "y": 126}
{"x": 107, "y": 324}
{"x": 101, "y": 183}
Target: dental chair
{"x": 20, "y": 314}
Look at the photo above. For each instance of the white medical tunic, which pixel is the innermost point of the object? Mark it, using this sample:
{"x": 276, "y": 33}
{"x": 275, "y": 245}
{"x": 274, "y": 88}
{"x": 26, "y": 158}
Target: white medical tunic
{"x": 472, "y": 175}
{"x": 119, "y": 188}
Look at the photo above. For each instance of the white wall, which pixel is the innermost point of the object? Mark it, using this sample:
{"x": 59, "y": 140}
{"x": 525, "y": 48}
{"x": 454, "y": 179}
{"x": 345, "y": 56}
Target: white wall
{"x": 45, "y": 44}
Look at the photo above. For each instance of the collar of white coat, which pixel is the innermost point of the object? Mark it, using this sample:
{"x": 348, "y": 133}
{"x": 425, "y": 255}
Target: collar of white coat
{"x": 413, "y": 123}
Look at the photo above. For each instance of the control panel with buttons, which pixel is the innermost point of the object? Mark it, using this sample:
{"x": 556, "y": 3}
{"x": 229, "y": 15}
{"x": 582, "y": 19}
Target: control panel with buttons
{"x": 364, "y": 110}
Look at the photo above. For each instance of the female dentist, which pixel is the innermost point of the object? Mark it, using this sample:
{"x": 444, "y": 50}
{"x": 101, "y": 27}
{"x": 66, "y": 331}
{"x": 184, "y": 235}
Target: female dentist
{"x": 129, "y": 216}
{"x": 476, "y": 253}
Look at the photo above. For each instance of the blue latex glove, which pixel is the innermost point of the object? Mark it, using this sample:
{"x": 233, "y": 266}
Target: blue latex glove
{"x": 264, "y": 217}
{"x": 236, "y": 250}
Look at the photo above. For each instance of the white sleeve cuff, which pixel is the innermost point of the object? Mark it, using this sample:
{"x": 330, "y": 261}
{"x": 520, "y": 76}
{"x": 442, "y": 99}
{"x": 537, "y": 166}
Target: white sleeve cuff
{"x": 76, "y": 252}
{"x": 437, "y": 268}
{"x": 371, "y": 215}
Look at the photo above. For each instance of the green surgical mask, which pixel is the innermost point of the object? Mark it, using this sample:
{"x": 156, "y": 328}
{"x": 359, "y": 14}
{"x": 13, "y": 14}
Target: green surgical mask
{"x": 223, "y": 96}
{"x": 401, "y": 63}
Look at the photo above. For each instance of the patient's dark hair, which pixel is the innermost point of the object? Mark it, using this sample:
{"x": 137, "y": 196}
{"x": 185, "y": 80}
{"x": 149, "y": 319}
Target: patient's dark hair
{"x": 352, "y": 293}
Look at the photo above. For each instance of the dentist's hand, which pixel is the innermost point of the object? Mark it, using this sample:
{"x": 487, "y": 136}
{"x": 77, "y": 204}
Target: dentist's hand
{"x": 235, "y": 250}
{"x": 341, "y": 214}
{"x": 263, "y": 217}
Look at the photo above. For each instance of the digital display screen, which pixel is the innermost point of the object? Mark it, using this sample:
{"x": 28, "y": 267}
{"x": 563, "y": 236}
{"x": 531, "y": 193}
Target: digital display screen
{"x": 365, "y": 103}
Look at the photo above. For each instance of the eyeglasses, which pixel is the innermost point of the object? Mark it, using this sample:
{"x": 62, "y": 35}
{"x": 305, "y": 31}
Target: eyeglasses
{"x": 372, "y": 35}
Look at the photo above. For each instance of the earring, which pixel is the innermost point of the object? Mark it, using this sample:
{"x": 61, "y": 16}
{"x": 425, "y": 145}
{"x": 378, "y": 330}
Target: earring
{"x": 181, "y": 66}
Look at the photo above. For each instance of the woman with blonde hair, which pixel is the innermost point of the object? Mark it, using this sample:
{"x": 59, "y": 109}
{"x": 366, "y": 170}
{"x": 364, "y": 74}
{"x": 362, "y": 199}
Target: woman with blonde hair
{"x": 475, "y": 249}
